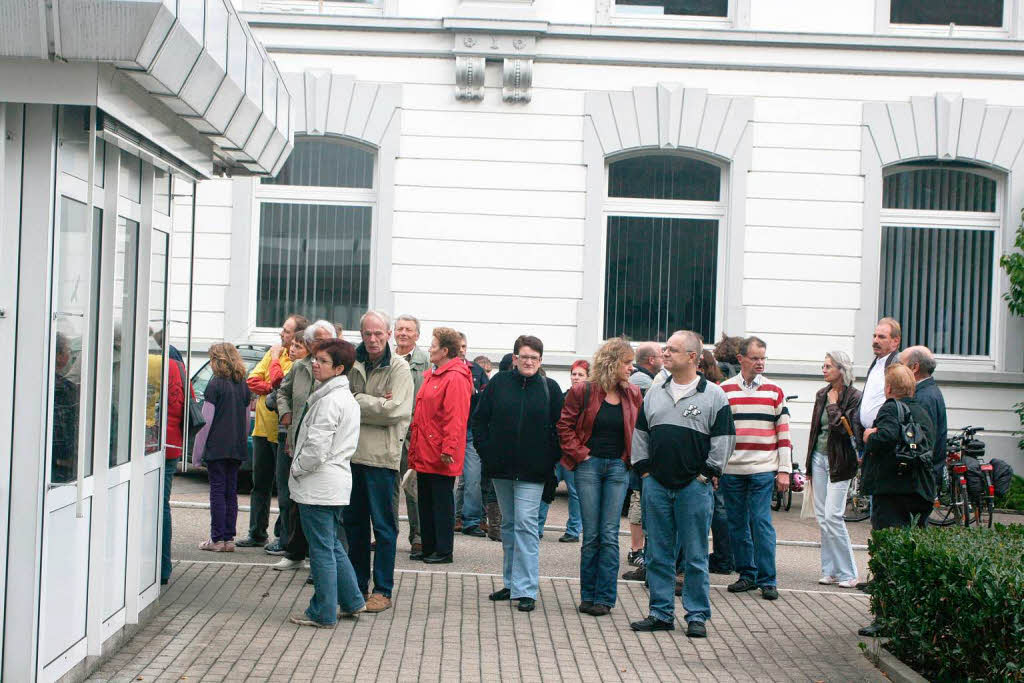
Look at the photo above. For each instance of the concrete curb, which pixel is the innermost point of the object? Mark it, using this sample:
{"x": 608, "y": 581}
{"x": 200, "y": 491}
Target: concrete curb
{"x": 889, "y": 664}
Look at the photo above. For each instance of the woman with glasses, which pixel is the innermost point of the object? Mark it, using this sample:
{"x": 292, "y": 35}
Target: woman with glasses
{"x": 596, "y": 434}
{"x": 514, "y": 433}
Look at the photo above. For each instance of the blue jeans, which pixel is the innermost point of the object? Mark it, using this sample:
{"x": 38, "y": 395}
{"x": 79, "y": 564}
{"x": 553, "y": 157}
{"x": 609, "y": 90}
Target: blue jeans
{"x": 748, "y": 497}
{"x": 721, "y": 555}
{"x": 283, "y": 527}
{"x": 678, "y": 519}
{"x": 371, "y": 503}
{"x": 519, "y": 502}
{"x": 601, "y": 483}
{"x": 574, "y": 526}
{"x": 165, "y": 549}
{"x": 469, "y": 505}
{"x": 334, "y": 581}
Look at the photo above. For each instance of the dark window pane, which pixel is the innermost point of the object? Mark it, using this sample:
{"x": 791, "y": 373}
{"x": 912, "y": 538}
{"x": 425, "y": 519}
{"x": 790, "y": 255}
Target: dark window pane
{"x": 664, "y": 176}
{"x": 122, "y": 375}
{"x": 939, "y": 189}
{"x": 945, "y": 12}
{"x": 938, "y": 283}
{"x": 699, "y": 8}
{"x": 323, "y": 162}
{"x": 155, "y": 362}
{"x": 660, "y": 277}
{"x": 313, "y": 260}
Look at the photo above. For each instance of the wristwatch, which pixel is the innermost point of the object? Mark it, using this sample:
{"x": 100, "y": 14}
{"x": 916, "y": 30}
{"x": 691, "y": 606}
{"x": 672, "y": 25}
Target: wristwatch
{"x": 702, "y": 479}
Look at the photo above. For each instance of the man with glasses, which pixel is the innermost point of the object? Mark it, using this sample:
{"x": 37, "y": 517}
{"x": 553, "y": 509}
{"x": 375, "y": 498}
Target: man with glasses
{"x": 762, "y": 461}
{"x": 682, "y": 441}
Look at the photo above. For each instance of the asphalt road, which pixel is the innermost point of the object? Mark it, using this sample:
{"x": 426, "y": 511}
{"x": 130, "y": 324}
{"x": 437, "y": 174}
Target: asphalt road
{"x": 798, "y": 566}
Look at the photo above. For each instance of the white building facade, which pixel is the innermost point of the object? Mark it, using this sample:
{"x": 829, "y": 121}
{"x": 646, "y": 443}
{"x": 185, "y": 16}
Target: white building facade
{"x": 110, "y": 114}
{"x": 577, "y": 169}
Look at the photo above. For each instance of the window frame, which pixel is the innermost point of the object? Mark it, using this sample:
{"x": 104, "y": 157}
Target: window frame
{"x": 1009, "y": 29}
{"x": 268, "y": 193}
{"x": 633, "y": 207}
{"x": 738, "y": 16}
{"x": 962, "y": 220}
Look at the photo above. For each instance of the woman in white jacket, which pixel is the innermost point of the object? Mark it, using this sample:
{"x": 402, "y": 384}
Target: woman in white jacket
{"x": 320, "y": 482}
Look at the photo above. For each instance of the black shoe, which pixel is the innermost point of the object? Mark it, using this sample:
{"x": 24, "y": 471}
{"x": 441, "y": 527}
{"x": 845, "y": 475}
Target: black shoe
{"x": 527, "y": 604}
{"x": 769, "y": 592}
{"x": 586, "y": 606}
{"x": 599, "y": 610}
{"x": 435, "y": 558}
{"x": 696, "y": 629}
{"x": 416, "y": 555}
{"x": 309, "y": 580}
{"x": 250, "y": 542}
{"x": 568, "y": 538}
{"x": 742, "y": 585}
{"x": 864, "y": 586}
{"x": 635, "y": 558}
{"x": 638, "y": 574}
{"x": 503, "y": 594}
{"x": 720, "y": 570}
{"x": 873, "y": 630}
{"x": 164, "y": 582}
{"x": 652, "y": 624}
{"x": 474, "y": 530}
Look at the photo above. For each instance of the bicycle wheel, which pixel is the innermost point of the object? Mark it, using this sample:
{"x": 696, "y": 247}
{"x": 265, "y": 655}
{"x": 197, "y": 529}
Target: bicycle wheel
{"x": 986, "y": 505}
{"x": 858, "y": 508}
{"x": 944, "y": 513}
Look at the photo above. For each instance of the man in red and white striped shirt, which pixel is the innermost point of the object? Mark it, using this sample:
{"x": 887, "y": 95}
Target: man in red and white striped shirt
{"x": 762, "y": 461}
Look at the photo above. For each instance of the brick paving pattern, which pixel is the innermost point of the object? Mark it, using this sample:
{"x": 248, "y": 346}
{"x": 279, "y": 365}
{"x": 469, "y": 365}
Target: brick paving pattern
{"x": 228, "y": 622}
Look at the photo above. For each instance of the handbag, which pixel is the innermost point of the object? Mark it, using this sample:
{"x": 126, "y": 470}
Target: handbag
{"x": 194, "y": 420}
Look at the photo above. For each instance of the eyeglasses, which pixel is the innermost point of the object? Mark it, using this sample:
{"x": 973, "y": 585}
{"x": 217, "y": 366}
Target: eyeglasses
{"x": 528, "y": 359}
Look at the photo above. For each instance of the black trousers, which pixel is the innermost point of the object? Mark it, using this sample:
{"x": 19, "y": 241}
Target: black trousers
{"x": 437, "y": 512}
{"x": 899, "y": 510}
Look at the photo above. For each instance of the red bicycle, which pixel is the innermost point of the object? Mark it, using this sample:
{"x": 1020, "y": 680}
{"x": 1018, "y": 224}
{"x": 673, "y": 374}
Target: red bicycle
{"x": 966, "y": 496}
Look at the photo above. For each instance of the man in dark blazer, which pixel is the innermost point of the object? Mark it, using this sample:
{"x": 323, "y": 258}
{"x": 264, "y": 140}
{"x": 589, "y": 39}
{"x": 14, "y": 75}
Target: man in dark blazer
{"x": 921, "y": 362}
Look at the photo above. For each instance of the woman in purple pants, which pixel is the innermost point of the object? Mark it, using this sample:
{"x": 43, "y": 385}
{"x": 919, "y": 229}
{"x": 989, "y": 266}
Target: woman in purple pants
{"x": 221, "y": 444}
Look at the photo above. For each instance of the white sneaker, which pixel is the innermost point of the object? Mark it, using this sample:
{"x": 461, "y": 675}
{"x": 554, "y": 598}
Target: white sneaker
{"x": 305, "y": 564}
{"x": 852, "y": 583}
{"x": 827, "y": 580}
{"x": 284, "y": 563}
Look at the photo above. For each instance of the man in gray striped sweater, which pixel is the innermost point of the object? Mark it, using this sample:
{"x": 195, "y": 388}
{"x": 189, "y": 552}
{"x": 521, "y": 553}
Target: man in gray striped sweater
{"x": 683, "y": 438}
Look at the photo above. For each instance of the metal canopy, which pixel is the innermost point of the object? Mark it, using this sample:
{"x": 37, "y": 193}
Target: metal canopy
{"x": 196, "y": 56}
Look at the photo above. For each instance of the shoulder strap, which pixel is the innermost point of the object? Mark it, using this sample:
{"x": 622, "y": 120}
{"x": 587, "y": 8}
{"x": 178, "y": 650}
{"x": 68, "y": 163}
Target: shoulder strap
{"x": 586, "y": 395}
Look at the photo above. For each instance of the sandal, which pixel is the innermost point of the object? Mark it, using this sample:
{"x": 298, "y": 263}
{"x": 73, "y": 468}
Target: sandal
{"x": 229, "y": 546}
{"x": 212, "y": 546}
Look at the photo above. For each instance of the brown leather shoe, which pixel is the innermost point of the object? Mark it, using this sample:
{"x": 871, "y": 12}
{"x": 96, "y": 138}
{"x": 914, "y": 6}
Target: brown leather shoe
{"x": 377, "y": 603}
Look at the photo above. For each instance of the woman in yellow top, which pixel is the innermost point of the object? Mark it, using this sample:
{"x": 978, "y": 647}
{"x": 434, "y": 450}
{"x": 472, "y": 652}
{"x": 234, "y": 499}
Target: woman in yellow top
{"x": 263, "y": 380}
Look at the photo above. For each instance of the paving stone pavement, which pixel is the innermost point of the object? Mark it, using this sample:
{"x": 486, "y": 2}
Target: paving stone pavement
{"x": 228, "y": 622}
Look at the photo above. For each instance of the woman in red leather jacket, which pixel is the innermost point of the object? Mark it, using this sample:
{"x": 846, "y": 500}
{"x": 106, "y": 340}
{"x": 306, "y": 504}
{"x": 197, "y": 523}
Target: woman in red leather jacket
{"x": 596, "y": 432}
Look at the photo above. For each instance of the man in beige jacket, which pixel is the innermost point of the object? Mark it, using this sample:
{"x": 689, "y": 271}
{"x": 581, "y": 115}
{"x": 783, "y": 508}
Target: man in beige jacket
{"x": 383, "y": 387}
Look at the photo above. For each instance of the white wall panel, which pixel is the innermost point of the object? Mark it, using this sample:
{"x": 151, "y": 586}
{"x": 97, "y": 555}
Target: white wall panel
{"x": 209, "y": 298}
{"x": 486, "y": 309}
{"x": 150, "y": 542}
{"x": 209, "y": 219}
{"x": 807, "y": 136}
{"x": 810, "y": 295}
{"x": 838, "y": 162}
{"x": 781, "y": 266}
{"x": 490, "y": 175}
{"x": 802, "y": 347}
{"x": 483, "y": 228}
{"x": 207, "y": 271}
{"x": 208, "y": 245}
{"x": 819, "y": 187}
{"x": 782, "y": 319}
{"x": 803, "y": 241}
{"x": 215, "y": 192}
{"x": 65, "y": 588}
{"x": 801, "y": 110}
{"x": 115, "y": 551}
{"x": 849, "y": 16}
{"x": 469, "y": 124}
{"x": 478, "y": 255}
{"x": 501, "y": 337}
{"x": 427, "y": 96}
{"x": 787, "y": 213}
{"x": 491, "y": 149}
{"x": 449, "y": 280}
{"x": 491, "y": 202}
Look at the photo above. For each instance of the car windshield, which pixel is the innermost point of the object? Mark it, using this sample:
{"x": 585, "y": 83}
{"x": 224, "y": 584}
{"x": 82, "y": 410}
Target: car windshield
{"x": 205, "y": 374}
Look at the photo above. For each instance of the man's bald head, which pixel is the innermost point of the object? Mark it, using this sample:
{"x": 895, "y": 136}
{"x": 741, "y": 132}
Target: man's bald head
{"x": 648, "y": 355}
{"x": 920, "y": 360}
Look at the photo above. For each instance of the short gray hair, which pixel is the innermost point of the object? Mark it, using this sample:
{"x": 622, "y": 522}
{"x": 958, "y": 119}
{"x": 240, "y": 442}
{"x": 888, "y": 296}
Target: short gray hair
{"x": 844, "y": 364}
{"x": 411, "y": 318}
{"x": 309, "y": 334}
{"x": 380, "y": 315}
{"x": 923, "y": 356}
{"x": 692, "y": 342}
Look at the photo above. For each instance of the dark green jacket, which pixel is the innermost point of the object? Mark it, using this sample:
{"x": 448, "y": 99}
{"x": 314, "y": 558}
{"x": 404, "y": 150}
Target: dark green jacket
{"x": 881, "y": 474}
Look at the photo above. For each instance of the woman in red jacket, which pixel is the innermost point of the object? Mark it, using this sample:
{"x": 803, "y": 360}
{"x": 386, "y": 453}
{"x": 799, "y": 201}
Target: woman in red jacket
{"x": 437, "y": 443}
{"x": 173, "y": 447}
{"x": 596, "y": 432}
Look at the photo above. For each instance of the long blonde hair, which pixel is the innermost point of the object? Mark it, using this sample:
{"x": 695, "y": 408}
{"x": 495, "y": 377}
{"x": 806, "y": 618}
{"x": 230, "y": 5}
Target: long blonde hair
{"x": 604, "y": 368}
{"x": 226, "y": 362}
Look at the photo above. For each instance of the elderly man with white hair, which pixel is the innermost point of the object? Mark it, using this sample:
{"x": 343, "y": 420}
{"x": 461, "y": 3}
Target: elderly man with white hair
{"x": 921, "y": 362}
{"x": 383, "y": 387}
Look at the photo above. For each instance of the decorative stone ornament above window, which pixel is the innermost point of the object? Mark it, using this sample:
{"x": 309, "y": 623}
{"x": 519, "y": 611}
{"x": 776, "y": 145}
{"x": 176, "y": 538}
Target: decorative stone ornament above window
{"x": 333, "y": 104}
{"x": 669, "y": 116}
{"x": 515, "y": 43}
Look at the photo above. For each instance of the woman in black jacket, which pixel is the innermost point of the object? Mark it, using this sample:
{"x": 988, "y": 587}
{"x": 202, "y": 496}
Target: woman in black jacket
{"x": 514, "y": 433}
{"x": 901, "y": 495}
{"x": 832, "y": 463}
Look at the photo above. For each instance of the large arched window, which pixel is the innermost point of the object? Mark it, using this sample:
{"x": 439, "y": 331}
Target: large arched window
{"x": 940, "y": 227}
{"x": 663, "y": 213}
{"x": 316, "y": 217}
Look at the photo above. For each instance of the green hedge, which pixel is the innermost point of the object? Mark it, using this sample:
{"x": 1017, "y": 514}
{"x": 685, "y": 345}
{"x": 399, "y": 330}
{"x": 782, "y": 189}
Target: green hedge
{"x": 1014, "y": 498}
{"x": 951, "y": 600}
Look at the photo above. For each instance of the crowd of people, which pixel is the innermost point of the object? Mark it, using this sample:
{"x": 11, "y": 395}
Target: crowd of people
{"x": 682, "y": 439}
